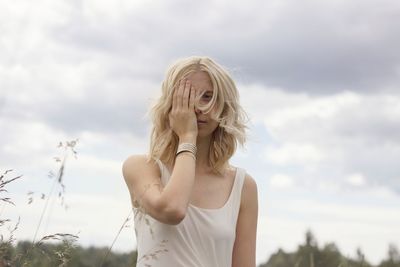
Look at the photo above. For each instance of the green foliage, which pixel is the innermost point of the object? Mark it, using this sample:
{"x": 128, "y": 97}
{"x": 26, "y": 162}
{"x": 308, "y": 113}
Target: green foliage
{"x": 47, "y": 256}
{"x": 310, "y": 254}
{"x": 393, "y": 259}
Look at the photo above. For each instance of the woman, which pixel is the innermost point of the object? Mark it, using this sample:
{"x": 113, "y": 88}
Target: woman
{"x": 192, "y": 208}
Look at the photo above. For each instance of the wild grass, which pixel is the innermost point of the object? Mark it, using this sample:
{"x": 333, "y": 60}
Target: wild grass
{"x": 140, "y": 214}
{"x": 128, "y": 218}
{"x": 68, "y": 240}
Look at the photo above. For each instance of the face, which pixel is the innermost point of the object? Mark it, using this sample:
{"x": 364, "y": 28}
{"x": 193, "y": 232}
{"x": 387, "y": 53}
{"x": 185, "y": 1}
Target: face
{"x": 205, "y": 124}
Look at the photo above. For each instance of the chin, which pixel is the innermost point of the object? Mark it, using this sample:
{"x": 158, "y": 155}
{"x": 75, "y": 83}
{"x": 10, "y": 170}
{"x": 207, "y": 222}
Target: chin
{"x": 205, "y": 132}
{"x": 202, "y": 134}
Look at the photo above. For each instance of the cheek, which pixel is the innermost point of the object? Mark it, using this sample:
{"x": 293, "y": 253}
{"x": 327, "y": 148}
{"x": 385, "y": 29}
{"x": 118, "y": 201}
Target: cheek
{"x": 214, "y": 124}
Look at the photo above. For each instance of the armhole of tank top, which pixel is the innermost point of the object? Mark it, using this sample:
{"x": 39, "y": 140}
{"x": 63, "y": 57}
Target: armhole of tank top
{"x": 161, "y": 167}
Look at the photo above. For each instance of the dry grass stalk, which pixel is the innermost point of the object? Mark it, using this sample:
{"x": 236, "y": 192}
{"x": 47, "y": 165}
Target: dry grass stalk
{"x": 141, "y": 212}
{"x": 3, "y": 183}
{"x": 152, "y": 253}
{"x": 112, "y": 244}
{"x": 67, "y": 239}
{"x": 68, "y": 146}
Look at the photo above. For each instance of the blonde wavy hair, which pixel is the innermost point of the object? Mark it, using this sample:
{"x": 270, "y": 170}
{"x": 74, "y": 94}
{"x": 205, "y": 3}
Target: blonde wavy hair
{"x": 230, "y": 115}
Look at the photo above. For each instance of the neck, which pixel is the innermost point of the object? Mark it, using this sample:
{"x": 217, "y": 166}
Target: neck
{"x": 202, "y": 156}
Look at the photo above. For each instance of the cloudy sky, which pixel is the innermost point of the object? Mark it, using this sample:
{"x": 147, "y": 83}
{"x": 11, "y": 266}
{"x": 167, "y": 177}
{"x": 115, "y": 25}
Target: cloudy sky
{"x": 318, "y": 79}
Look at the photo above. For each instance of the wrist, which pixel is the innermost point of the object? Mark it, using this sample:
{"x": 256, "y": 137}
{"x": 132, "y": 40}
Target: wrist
{"x": 188, "y": 148}
{"x": 188, "y": 138}
{"x": 187, "y": 153}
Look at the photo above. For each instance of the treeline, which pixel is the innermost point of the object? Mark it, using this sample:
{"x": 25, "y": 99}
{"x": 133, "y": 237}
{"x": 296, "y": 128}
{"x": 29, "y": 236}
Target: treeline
{"x": 62, "y": 255}
{"x": 310, "y": 254}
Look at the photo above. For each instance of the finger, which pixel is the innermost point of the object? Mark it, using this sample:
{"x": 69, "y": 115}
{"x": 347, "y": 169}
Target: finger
{"x": 198, "y": 98}
{"x": 185, "y": 101}
{"x": 192, "y": 98}
{"x": 180, "y": 93}
{"x": 175, "y": 96}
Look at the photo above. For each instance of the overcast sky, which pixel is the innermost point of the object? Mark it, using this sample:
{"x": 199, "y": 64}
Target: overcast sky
{"x": 318, "y": 79}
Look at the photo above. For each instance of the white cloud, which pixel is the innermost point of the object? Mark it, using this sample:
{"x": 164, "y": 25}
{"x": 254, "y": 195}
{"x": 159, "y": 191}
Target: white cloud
{"x": 356, "y": 179}
{"x": 28, "y": 143}
{"x": 290, "y": 153}
{"x": 329, "y": 136}
{"x": 281, "y": 181}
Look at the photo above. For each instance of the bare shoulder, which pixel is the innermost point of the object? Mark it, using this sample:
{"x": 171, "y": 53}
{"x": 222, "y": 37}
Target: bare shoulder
{"x": 137, "y": 165}
{"x": 249, "y": 182}
{"x": 134, "y": 160}
{"x": 249, "y": 191}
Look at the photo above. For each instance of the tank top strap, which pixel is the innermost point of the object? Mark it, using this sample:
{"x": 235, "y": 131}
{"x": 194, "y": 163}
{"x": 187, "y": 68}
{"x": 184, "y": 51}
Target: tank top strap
{"x": 237, "y": 191}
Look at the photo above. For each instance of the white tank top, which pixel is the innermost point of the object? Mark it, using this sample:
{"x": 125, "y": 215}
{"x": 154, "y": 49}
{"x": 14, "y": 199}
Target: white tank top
{"x": 204, "y": 238}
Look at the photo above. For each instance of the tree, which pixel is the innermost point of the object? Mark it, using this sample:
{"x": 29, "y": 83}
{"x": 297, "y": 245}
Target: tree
{"x": 393, "y": 257}
{"x": 309, "y": 254}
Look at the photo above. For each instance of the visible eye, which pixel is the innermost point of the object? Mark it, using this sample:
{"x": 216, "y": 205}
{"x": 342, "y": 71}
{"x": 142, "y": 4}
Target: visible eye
{"x": 206, "y": 98}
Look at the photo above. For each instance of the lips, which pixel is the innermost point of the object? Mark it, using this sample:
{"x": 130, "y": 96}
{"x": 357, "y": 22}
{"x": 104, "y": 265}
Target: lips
{"x": 200, "y": 121}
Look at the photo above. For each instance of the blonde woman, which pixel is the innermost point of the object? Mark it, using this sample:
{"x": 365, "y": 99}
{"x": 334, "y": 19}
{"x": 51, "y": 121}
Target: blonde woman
{"x": 196, "y": 210}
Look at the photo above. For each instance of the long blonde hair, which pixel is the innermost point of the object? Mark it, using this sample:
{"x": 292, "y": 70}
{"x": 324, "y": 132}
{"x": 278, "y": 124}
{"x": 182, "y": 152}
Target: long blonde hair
{"x": 229, "y": 113}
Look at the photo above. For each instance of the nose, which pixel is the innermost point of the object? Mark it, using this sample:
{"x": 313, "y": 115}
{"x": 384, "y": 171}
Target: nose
{"x": 197, "y": 111}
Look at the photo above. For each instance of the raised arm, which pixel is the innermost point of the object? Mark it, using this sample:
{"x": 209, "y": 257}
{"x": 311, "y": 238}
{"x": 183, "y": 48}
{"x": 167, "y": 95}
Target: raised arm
{"x": 169, "y": 204}
{"x": 166, "y": 204}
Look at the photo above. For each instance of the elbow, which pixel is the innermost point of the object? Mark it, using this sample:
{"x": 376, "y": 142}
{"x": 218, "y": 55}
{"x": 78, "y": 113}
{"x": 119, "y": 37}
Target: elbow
{"x": 171, "y": 214}
{"x": 175, "y": 216}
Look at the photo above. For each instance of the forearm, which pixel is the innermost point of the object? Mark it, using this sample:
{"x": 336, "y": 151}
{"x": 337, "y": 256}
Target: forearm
{"x": 178, "y": 190}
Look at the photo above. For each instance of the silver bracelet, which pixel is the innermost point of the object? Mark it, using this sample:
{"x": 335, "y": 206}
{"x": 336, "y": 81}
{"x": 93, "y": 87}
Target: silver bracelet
{"x": 189, "y": 154}
{"x": 187, "y": 147}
